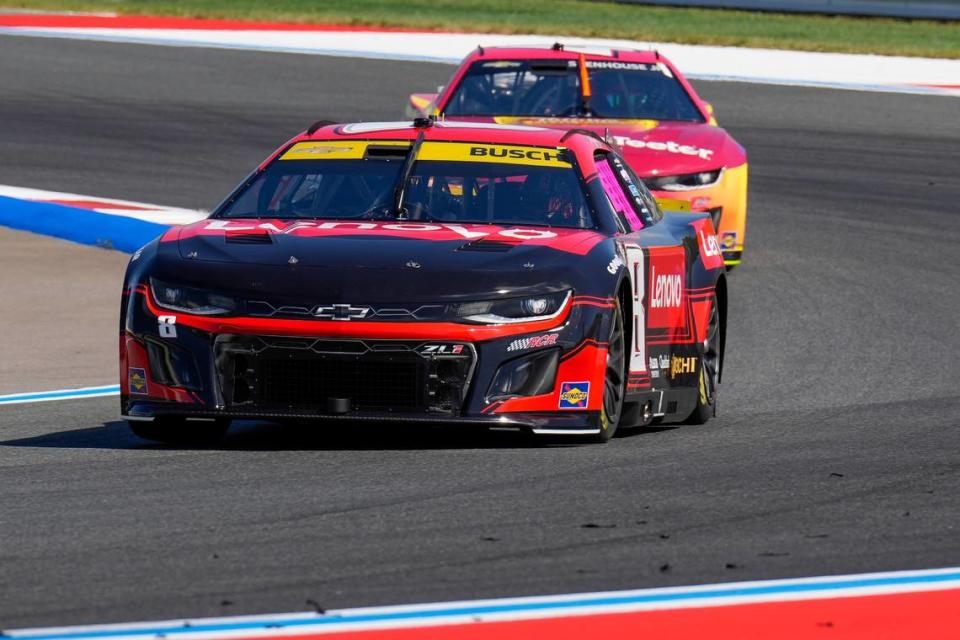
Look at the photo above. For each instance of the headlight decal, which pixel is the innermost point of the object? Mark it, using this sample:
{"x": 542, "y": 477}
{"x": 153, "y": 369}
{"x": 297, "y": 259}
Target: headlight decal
{"x": 514, "y": 310}
{"x": 685, "y": 182}
{"x": 189, "y": 300}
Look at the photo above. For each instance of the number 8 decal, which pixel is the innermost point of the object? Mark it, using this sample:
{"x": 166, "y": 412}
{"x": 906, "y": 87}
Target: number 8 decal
{"x": 167, "y": 325}
{"x": 638, "y": 352}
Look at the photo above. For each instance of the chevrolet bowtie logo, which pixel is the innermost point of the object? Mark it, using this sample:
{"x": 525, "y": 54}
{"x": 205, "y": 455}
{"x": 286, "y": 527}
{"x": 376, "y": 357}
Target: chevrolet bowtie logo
{"x": 341, "y": 312}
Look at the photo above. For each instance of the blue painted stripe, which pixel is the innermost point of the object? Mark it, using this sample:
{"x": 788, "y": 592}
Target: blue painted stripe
{"x": 79, "y": 225}
{"x": 429, "y": 612}
{"x": 64, "y": 394}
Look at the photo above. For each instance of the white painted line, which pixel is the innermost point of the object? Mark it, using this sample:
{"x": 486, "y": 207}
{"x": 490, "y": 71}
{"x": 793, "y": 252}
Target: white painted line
{"x": 539, "y": 607}
{"x": 62, "y": 394}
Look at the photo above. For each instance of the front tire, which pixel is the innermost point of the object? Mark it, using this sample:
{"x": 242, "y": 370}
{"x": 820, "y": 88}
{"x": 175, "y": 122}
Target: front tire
{"x": 173, "y": 430}
{"x": 614, "y": 382}
{"x": 707, "y": 386}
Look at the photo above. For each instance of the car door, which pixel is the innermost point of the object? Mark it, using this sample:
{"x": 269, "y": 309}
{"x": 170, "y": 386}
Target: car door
{"x": 656, "y": 266}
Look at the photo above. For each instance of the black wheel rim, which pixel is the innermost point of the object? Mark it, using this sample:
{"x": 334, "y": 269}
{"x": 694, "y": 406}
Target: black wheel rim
{"x": 711, "y": 352}
{"x": 613, "y": 383}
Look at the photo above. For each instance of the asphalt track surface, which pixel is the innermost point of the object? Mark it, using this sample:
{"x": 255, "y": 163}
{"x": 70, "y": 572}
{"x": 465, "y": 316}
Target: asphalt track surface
{"x": 835, "y": 450}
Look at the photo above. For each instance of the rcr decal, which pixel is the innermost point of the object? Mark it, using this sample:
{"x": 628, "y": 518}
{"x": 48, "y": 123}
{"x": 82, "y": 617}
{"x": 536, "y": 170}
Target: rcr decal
{"x": 533, "y": 342}
{"x": 669, "y": 146}
{"x": 167, "y": 326}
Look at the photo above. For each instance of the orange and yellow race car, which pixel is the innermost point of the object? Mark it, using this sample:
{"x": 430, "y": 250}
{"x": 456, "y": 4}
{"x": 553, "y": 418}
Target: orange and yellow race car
{"x": 636, "y": 99}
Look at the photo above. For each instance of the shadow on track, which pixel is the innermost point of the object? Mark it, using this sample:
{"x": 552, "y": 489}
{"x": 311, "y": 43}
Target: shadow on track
{"x": 267, "y": 436}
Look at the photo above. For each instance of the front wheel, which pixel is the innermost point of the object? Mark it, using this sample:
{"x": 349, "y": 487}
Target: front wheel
{"x": 614, "y": 383}
{"x": 173, "y": 430}
{"x": 709, "y": 369}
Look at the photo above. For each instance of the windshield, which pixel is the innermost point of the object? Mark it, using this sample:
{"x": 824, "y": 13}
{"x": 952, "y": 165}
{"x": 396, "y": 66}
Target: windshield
{"x": 551, "y": 88}
{"x": 451, "y": 181}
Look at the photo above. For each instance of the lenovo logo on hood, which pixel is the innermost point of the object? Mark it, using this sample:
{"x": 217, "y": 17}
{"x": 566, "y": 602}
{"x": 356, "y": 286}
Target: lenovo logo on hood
{"x": 316, "y": 227}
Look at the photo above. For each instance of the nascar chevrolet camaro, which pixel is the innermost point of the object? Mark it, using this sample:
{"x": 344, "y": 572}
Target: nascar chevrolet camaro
{"x": 458, "y": 273}
{"x": 667, "y": 134}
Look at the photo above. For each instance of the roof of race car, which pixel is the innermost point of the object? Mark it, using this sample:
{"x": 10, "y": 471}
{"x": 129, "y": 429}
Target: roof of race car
{"x": 456, "y": 131}
{"x": 566, "y": 53}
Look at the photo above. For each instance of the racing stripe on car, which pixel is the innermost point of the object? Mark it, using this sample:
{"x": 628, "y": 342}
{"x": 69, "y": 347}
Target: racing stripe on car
{"x": 354, "y": 329}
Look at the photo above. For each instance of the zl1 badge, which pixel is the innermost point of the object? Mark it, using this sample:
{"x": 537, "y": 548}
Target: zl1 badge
{"x": 138, "y": 381}
{"x": 574, "y": 395}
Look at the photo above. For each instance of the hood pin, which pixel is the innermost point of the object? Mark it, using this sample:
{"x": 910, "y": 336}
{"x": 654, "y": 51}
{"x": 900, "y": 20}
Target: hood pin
{"x": 413, "y": 265}
{"x": 528, "y": 265}
{"x": 192, "y": 255}
{"x": 292, "y": 260}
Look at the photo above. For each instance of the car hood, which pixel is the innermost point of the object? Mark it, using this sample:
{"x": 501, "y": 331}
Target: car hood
{"x": 331, "y": 261}
{"x": 654, "y": 147}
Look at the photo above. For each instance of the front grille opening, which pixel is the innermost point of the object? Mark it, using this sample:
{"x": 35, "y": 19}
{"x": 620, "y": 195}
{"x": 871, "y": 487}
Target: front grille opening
{"x": 368, "y": 384}
{"x": 279, "y": 374}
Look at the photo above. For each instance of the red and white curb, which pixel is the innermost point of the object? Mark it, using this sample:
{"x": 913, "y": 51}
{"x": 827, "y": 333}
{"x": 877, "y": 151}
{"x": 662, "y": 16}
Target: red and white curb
{"x": 905, "y": 604}
{"x": 768, "y": 66}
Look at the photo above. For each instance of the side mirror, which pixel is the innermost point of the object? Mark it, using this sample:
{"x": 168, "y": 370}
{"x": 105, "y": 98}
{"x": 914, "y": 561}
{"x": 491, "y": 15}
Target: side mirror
{"x": 709, "y": 108}
{"x": 421, "y": 105}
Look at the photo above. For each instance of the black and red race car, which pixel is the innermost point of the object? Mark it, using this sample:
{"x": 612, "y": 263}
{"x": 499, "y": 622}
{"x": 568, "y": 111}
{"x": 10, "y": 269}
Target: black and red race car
{"x": 470, "y": 274}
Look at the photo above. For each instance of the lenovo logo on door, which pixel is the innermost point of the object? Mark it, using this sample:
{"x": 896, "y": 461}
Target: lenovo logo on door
{"x": 666, "y": 288}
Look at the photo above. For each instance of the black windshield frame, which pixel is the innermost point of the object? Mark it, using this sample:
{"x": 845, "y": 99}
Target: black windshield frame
{"x": 589, "y": 216}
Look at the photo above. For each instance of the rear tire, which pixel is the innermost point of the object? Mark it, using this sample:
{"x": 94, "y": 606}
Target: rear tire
{"x": 173, "y": 430}
{"x": 614, "y": 382}
{"x": 709, "y": 369}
